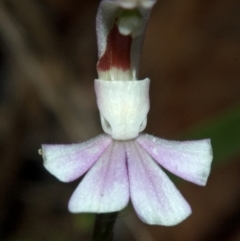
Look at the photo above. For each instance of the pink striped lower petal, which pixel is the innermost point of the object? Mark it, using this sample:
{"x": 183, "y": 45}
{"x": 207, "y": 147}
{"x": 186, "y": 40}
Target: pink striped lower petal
{"x": 154, "y": 197}
{"x": 190, "y": 160}
{"x": 105, "y": 187}
{"x": 68, "y": 162}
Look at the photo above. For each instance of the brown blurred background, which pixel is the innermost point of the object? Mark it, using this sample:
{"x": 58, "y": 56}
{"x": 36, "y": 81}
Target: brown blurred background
{"x": 48, "y": 55}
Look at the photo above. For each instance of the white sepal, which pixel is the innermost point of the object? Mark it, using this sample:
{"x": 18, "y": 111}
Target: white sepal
{"x": 107, "y": 15}
{"x": 123, "y": 107}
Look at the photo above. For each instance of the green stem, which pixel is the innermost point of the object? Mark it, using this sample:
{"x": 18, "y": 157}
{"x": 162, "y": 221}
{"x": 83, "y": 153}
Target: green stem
{"x": 103, "y": 226}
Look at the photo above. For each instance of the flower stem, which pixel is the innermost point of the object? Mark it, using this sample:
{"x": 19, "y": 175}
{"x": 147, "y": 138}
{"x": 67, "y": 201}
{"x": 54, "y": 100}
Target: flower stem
{"x": 103, "y": 226}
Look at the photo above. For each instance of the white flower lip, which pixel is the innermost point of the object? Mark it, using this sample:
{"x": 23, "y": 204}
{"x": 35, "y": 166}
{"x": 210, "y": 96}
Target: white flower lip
{"x": 123, "y": 107}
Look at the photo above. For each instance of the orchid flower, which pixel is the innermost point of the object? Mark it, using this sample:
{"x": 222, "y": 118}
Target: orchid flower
{"x": 124, "y": 164}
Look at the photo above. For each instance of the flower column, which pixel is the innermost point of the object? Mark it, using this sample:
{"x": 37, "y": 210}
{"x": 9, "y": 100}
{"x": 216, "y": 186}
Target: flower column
{"x": 122, "y": 100}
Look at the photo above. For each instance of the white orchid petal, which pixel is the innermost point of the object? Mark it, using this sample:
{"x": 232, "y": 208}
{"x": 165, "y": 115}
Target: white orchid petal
{"x": 105, "y": 187}
{"x": 154, "y": 197}
{"x": 68, "y": 162}
{"x": 190, "y": 160}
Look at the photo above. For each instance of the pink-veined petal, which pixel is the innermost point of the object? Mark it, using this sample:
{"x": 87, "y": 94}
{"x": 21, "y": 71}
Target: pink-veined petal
{"x": 68, "y": 162}
{"x": 190, "y": 160}
{"x": 154, "y": 197}
{"x": 105, "y": 187}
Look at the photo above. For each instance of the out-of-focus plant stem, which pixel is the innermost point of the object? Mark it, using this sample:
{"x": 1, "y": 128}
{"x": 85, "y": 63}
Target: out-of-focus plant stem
{"x": 103, "y": 227}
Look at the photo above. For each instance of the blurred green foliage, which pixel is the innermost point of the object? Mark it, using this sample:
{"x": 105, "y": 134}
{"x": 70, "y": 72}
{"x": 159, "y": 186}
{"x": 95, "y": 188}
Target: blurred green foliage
{"x": 83, "y": 222}
{"x": 224, "y": 132}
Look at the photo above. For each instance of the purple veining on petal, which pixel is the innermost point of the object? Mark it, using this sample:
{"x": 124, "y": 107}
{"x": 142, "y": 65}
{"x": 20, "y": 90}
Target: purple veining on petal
{"x": 154, "y": 197}
{"x": 68, "y": 162}
{"x": 190, "y": 160}
{"x": 105, "y": 187}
